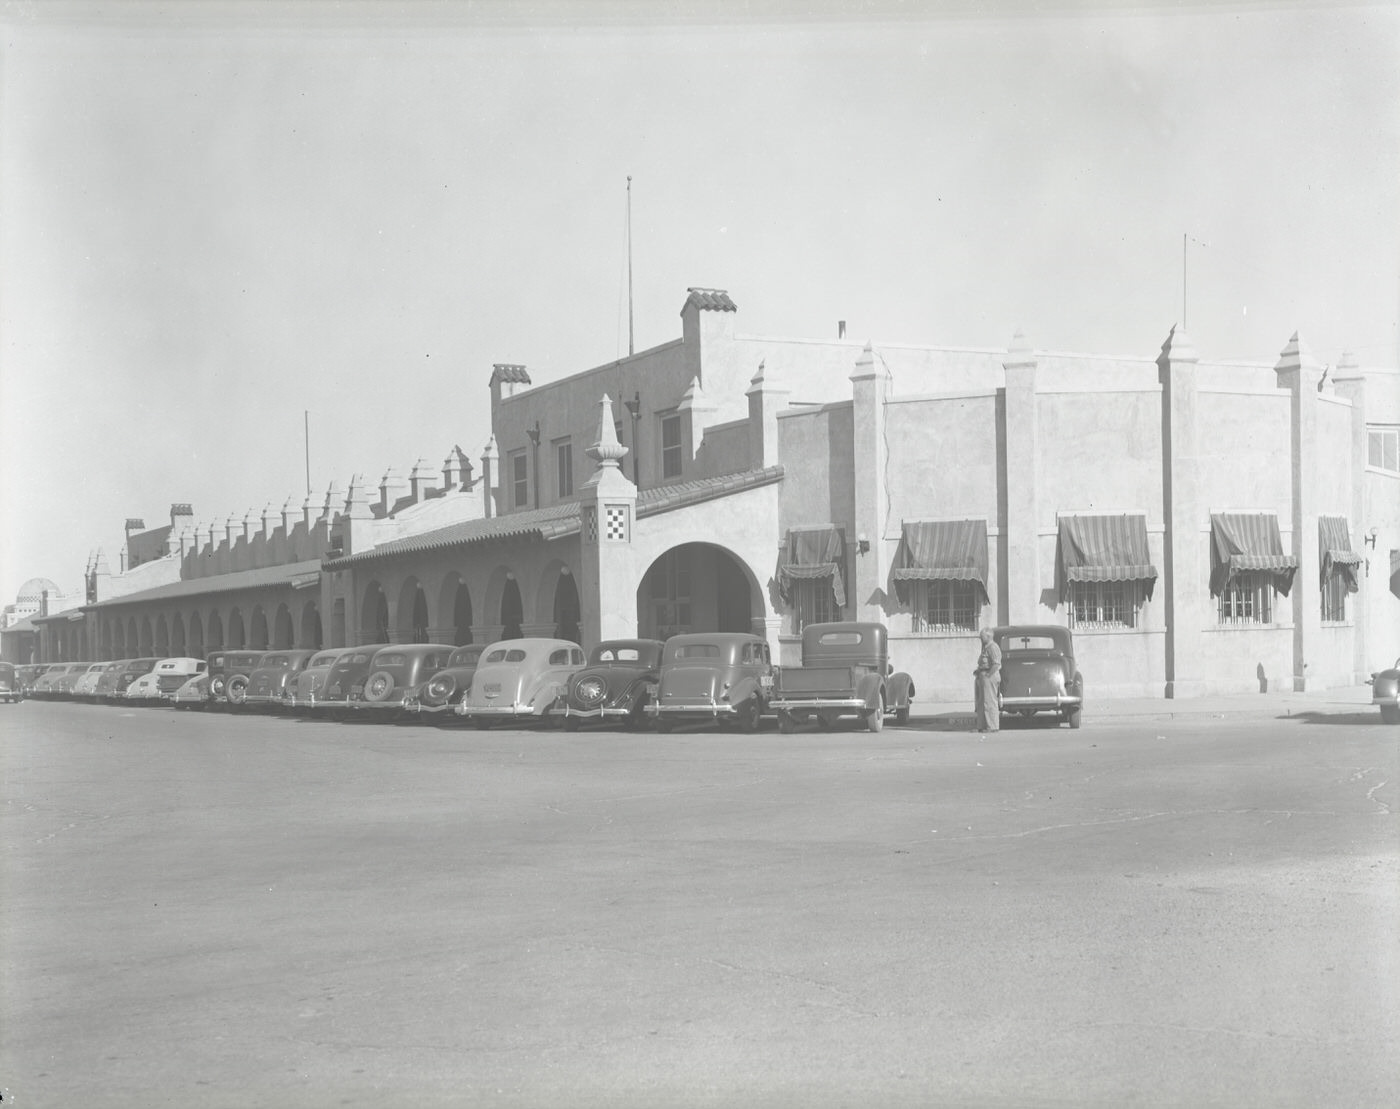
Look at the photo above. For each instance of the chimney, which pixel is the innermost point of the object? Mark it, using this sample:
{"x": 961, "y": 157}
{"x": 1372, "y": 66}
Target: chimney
{"x": 391, "y": 488}
{"x": 180, "y": 514}
{"x": 506, "y": 379}
{"x": 419, "y": 485}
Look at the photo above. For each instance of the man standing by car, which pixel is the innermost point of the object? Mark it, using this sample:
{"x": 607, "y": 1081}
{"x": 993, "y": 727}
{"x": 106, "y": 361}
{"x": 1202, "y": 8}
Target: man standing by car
{"x": 988, "y": 679}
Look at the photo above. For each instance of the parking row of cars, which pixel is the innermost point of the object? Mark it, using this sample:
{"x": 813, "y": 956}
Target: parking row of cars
{"x": 727, "y": 678}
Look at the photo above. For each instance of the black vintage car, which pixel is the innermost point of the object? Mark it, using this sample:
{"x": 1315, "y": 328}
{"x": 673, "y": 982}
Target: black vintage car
{"x": 443, "y": 692}
{"x": 615, "y": 685}
{"x": 1038, "y": 672}
{"x": 9, "y": 684}
{"x": 1385, "y": 693}
{"x": 398, "y": 669}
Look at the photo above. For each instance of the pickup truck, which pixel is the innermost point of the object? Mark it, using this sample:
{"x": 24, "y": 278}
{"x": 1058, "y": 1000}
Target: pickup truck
{"x": 845, "y": 671}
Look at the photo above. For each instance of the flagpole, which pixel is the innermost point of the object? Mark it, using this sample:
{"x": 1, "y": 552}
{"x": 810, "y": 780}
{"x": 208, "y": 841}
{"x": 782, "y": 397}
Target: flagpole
{"x": 630, "y": 344}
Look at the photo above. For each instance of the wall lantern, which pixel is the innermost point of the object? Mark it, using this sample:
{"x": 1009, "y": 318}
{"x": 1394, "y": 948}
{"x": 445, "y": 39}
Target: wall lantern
{"x": 863, "y": 543}
{"x": 1370, "y": 539}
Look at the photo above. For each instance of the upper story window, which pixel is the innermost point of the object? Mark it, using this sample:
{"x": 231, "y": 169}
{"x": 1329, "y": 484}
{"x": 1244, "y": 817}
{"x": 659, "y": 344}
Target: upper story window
{"x": 1383, "y": 448}
{"x": 564, "y": 468}
{"x": 519, "y": 480}
{"x": 670, "y": 446}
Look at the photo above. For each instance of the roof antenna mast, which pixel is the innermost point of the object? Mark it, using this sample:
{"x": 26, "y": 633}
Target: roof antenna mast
{"x": 630, "y": 346}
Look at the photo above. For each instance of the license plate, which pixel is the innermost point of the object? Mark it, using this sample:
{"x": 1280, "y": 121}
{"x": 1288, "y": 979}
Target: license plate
{"x": 492, "y": 689}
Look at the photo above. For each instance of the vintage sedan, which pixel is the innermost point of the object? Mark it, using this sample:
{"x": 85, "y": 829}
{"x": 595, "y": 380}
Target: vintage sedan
{"x": 722, "y": 676}
{"x": 228, "y": 677}
{"x": 270, "y": 683}
{"x": 345, "y": 682}
{"x": 306, "y": 685}
{"x": 165, "y": 680}
{"x": 194, "y": 694}
{"x": 520, "y": 678}
{"x": 28, "y": 674}
{"x": 396, "y": 670}
{"x": 56, "y": 683}
{"x": 10, "y": 692}
{"x": 131, "y": 669}
{"x": 1385, "y": 692}
{"x": 617, "y": 683}
{"x": 107, "y": 680}
{"x": 845, "y": 672}
{"x": 1038, "y": 673}
{"x": 443, "y": 692}
{"x": 85, "y": 688}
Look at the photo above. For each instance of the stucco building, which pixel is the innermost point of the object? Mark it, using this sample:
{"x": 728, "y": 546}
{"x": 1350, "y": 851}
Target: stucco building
{"x": 1202, "y": 525}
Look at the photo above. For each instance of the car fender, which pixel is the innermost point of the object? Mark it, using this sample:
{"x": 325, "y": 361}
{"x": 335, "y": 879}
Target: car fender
{"x": 743, "y": 689}
{"x": 899, "y": 691}
{"x": 548, "y": 692}
{"x": 869, "y": 689}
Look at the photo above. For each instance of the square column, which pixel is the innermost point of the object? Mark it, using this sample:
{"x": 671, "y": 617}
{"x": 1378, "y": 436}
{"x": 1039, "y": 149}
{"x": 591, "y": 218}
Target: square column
{"x": 609, "y": 573}
{"x": 1185, "y": 587}
{"x": 868, "y": 389}
{"x": 1019, "y": 600}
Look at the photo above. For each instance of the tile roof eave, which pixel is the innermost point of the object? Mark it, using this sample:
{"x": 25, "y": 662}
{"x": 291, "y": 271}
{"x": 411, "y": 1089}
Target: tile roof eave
{"x": 262, "y": 577}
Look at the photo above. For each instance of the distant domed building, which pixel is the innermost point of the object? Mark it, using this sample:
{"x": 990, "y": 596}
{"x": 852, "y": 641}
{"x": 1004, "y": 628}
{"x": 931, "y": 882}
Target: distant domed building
{"x": 36, "y": 597}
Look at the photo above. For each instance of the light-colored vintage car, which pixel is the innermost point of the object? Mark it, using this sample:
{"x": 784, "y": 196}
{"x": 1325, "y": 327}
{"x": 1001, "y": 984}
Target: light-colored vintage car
{"x": 131, "y": 669}
{"x": 270, "y": 684}
{"x": 85, "y": 688}
{"x": 345, "y": 682}
{"x": 1038, "y": 672}
{"x": 165, "y": 679}
{"x": 308, "y": 682}
{"x": 56, "y": 683}
{"x": 397, "y": 670}
{"x": 520, "y": 679}
{"x": 443, "y": 692}
{"x": 845, "y": 672}
{"x": 615, "y": 686}
{"x": 194, "y": 694}
{"x": 1385, "y": 692}
{"x": 28, "y": 674}
{"x": 715, "y": 676}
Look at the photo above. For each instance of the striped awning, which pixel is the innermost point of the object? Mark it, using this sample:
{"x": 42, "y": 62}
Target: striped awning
{"x": 811, "y": 554}
{"x": 1395, "y": 573}
{"x": 1334, "y": 550}
{"x": 1245, "y": 541}
{"x": 942, "y": 550}
{"x": 1106, "y": 548}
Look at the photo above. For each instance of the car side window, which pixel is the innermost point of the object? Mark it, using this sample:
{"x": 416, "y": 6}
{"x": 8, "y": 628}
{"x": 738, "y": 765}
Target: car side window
{"x": 515, "y": 656}
{"x": 559, "y": 657}
{"x": 575, "y": 657}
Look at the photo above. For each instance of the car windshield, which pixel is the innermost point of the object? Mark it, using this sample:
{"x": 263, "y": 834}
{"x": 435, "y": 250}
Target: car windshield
{"x": 357, "y": 658}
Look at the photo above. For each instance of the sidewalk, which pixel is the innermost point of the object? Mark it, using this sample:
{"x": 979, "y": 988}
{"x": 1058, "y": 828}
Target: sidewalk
{"x": 954, "y": 715}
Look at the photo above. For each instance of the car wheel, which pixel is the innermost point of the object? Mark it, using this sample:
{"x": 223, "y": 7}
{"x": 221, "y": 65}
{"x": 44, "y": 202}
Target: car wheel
{"x": 875, "y": 719}
{"x": 786, "y": 724}
{"x": 746, "y": 716}
{"x": 237, "y": 689}
{"x": 1072, "y": 718}
{"x": 1390, "y": 714}
{"x": 901, "y": 715}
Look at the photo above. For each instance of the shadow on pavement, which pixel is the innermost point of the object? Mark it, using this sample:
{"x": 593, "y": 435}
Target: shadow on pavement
{"x": 1372, "y": 717}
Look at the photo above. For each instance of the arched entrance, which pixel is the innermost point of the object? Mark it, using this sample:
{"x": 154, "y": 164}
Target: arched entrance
{"x": 512, "y": 610}
{"x": 461, "y": 615}
{"x": 177, "y": 635}
{"x": 374, "y": 615}
{"x": 282, "y": 634}
{"x": 310, "y": 627}
{"x": 413, "y": 612}
{"x": 215, "y": 640}
{"x": 697, "y": 587}
{"x": 196, "y": 645}
{"x": 257, "y": 630}
{"x": 237, "y": 638}
{"x": 567, "y": 611}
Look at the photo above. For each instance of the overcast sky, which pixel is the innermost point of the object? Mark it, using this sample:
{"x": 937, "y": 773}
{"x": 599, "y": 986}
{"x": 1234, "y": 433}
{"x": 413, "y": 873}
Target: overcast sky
{"x": 214, "y": 217}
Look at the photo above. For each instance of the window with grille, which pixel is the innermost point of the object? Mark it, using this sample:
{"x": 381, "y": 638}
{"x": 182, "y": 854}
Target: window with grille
{"x": 1247, "y": 598}
{"x": 1334, "y": 598}
{"x": 945, "y": 607}
{"x": 564, "y": 457}
{"x": 1105, "y": 604}
{"x": 671, "y": 447}
{"x": 1383, "y": 448}
{"x": 813, "y": 602}
{"x": 519, "y": 479}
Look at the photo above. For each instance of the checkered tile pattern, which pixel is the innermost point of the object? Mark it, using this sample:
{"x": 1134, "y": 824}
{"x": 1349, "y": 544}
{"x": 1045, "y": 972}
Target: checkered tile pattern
{"x": 615, "y": 522}
{"x": 590, "y": 523}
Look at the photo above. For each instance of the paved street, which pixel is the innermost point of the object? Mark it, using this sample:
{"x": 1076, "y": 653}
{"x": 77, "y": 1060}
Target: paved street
{"x": 206, "y": 910}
